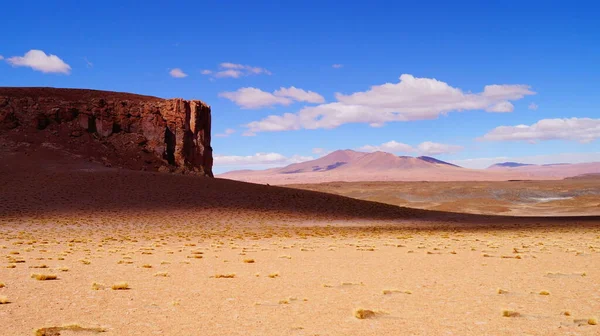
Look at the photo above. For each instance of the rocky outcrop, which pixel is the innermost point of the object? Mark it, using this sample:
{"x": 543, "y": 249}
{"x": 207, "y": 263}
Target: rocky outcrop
{"x": 175, "y": 130}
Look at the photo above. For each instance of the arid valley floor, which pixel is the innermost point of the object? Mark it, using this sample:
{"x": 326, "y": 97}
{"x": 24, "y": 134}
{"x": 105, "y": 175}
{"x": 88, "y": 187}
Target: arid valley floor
{"x": 201, "y": 256}
{"x": 571, "y": 196}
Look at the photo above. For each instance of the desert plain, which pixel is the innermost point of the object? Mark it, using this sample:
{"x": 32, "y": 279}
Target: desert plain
{"x": 88, "y": 249}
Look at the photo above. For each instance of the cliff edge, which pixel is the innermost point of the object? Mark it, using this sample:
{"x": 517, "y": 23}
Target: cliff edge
{"x": 122, "y": 129}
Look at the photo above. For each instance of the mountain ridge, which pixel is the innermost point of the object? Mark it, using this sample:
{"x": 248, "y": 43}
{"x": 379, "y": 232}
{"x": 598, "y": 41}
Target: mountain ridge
{"x": 350, "y": 165}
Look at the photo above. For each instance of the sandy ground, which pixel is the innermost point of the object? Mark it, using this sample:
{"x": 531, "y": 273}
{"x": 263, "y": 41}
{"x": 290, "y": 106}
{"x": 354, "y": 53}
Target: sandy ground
{"x": 303, "y": 281}
{"x": 569, "y": 197}
{"x": 184, "y": 246}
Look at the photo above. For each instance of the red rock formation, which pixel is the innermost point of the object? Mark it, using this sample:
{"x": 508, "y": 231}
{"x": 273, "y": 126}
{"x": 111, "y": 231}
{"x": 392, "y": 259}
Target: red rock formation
{"x": 175, "y": 130}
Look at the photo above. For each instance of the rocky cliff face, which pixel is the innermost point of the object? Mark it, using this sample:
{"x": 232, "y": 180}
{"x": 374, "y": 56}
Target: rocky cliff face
{"x": 176, "y": 131}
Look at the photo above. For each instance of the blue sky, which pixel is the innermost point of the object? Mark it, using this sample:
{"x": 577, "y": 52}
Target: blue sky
{"x": 544, "y": 55}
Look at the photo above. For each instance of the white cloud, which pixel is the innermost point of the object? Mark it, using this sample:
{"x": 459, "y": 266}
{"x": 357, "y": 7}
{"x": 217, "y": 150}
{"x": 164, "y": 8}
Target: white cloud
{"x": 410, "y": 99}
{"x": 318, "y": 150}
{"x": 425, "y": 148}
{"x": 480, "y": 163}
{"x": 584, "y": 130}
{"x": 390, "y": 146}
{"x": 258, "y": 159}
{"x": 533, "y": 106}
{"x": 228, "y": 65}
{"x": 299, "y": 95}
{"x": 225, "y": 134}
{"x": 231, "y": 73}
{"x": 252, "y": 98}
{"x": 433, "y": 148}
{"x": 38, "y": 60}
{"x": 1, "y": 57}
{"x": 234, "y": 70}
{"x": 337, "y": 66}
{"x": 177, "y": 73}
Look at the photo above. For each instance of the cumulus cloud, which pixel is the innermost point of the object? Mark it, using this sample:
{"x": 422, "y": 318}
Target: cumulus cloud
{"x": 299, "y": 95}
{"x": 425, "y": 148}
{"x": 234, "y": 70}
{"x": 583, "y": 130}
{"x": 533, "y": 106}
{"x": 1, "y": 57}
{"x": 258, "y": 159}
{"x": 231, "y": 73}
{"x": 177, "y": 73}
{"x": 433, "y": 148}
{"x": 337, "y": 66}
{"x": 252, "y": 98}
{"x": 480, "y": 163}
{"x": 410, "y": 99}
{"x": 226, "y": 133}
{"x": 390, "y": 146}
{"x": 39, "y": 61}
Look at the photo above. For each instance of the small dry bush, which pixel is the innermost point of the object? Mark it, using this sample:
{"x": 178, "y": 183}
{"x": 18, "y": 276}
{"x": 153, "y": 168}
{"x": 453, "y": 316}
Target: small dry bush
{"x": 120, "y": 286}
{"x": 42, "y": 277}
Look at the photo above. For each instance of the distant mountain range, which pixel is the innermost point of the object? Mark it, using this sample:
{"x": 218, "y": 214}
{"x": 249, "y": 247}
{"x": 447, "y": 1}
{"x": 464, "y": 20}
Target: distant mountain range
{"x": 518, "y": 164}
{"x": 350, "y": 165}
{"x": 508, "y": 165}
{"x": 349, "y": 160}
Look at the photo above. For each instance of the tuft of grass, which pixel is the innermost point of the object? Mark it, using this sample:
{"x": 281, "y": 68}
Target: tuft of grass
{"x": 161, "y": 274}
{"x": 592, "y": 321}
{"x": 502, "y": 291}
{"x": 392, "y": 291}
{"x": 249, "y": 261}
{"x": 39, "y": 266}
{"x": 4, "y": 300}
{"x": 566, "y": 313}
{"x": 97, "y": 286}
{"x": 346, "y": 283}
{"x": 510, "y": 313}
{"x": 147, "y": 266}
{"x": 544, "y": 292}
{"x": 225, "y": 276}
{"x": 362, "y": 314}
{"x": 120, "y": 286}
{"x": 42, "y": 277}
{"x": 273, "y": 275}
{"x": 64, "y": 269}
{"x": 2, "y": 285}
{"x": 53, "y": 331}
